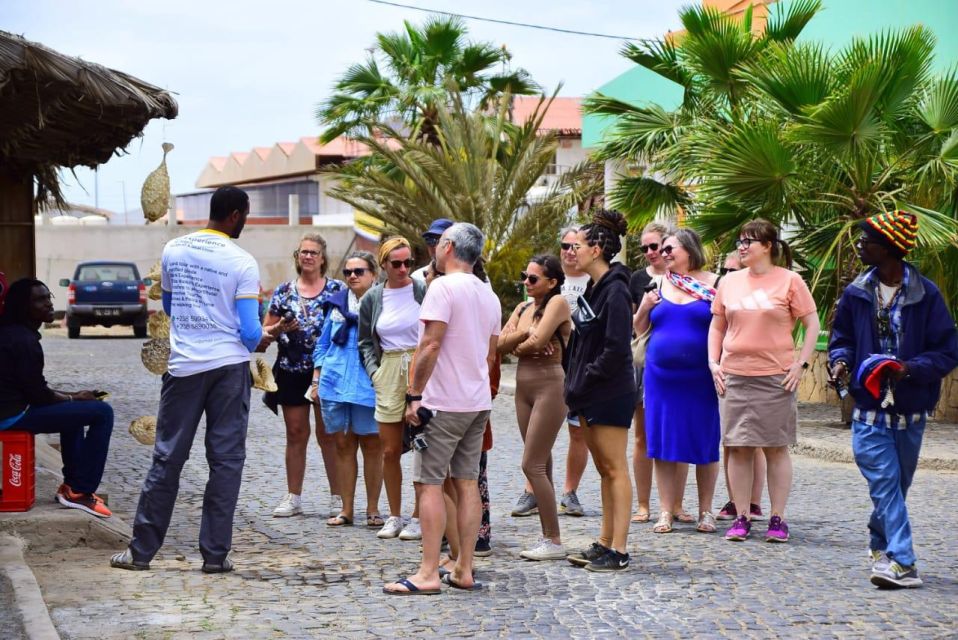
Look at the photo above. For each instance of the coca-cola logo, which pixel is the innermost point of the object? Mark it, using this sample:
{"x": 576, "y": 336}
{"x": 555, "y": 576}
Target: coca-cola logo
{"x": 16, "y": 466}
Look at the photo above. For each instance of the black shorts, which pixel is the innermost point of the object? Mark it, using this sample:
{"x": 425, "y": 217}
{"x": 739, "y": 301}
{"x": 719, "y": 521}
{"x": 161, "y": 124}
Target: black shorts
{"x": 292, "y": 387}
{"x": 615, "y": 412}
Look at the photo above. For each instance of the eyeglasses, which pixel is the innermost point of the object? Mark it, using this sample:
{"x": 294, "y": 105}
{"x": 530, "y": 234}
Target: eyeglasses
{"x": 531, "y": 278}
{"x": 645, "y": 248}
{"x": 359, "y": 272}
{"x": 409, "y": 263}
{"x": 745, "y": 243}
{"x": 565, "y": 246}
{"x": 307, "y": 252}
{"x": 726, "y": 270}
{"x": 666, "y": 250}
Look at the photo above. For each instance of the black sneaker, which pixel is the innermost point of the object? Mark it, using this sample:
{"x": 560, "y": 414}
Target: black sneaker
{"x": 611, "y": 561}
{"x": 483, "y": 549}
{"x": 582, "y": 558}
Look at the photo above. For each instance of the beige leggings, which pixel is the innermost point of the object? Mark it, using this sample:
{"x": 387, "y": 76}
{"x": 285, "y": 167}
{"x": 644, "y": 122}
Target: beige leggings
{"x": 541, "y": 412}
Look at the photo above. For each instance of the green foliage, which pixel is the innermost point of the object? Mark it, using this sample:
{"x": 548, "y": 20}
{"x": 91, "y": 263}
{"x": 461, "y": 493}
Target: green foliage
{"x": 811, "y": 139}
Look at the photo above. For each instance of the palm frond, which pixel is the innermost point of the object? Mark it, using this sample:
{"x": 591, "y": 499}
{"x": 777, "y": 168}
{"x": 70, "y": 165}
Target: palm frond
{"x": 788, "y": 20}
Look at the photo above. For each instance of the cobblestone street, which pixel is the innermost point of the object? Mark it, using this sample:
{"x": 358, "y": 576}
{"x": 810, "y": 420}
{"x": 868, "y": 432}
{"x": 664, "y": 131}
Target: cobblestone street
{"x": 297, "y": 577}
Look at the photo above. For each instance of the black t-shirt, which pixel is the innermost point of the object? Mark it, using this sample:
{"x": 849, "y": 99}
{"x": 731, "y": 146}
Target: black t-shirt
{"x": 637, "y": 284}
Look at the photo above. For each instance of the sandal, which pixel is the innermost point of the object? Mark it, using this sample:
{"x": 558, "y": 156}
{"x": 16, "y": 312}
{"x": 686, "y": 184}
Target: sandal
{"x": 684, "y": 517}
{"x": 641, "y": 516}
{"x": 374, "y": 520}
{"x": 706, "y": 523}
{"x": 340, "y": 521}
{"x": 664, "y": 525}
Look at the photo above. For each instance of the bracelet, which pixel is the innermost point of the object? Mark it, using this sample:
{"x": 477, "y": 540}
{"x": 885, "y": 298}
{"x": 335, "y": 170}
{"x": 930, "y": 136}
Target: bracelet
{"x": 412, "y": 398}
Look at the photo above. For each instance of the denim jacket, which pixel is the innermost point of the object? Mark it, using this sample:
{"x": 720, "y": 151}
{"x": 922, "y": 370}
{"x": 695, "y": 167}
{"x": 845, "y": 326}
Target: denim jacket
{"x": 928, "y": 342}
{"x": 342, "y": 377}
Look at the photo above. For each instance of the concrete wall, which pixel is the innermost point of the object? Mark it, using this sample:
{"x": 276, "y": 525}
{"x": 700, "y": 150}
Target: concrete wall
{"x": 59, "y": 249}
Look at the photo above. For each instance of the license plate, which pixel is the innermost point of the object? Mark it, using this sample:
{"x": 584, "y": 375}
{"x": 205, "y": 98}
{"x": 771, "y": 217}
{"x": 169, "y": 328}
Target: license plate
{"x": 106, "y": 312}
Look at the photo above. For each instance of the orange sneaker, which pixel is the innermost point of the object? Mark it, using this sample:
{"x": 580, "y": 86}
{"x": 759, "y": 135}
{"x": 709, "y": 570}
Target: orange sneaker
{"x": 89, "y": 502}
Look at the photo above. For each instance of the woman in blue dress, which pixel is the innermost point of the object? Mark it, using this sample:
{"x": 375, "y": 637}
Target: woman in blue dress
{"x": 681, "y": 408}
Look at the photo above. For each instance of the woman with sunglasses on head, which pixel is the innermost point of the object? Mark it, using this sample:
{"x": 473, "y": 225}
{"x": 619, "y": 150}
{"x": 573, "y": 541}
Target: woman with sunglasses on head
{"x": 600, "y": 383}
{"x": 681, "y": 409}
{"x": 294, "y": 321}
{"x": 388, "y": 336}
{"x": 537, "y": 333}
{"x": 756, "y": 372}
{"x": 348, "y": 400}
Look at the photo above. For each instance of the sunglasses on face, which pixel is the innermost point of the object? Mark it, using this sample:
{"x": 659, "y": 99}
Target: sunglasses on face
{"x": 726, "y": 270}
{"x": 745, "y": 243}
{"x": 409, "y": 263}
{"x": 652, "y": 246}
{"x": 566, "y": 246}
{"x": 667, "y": 250}
{"x": 528, "y": 277}
{"x": 432, "y": 241}
{"x": 359, "y": 272}
{"x": 307, "y": 252}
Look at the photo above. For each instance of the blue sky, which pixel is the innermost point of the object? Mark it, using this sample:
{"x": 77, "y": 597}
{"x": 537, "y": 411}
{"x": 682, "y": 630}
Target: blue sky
{"x": 250, "y": 73}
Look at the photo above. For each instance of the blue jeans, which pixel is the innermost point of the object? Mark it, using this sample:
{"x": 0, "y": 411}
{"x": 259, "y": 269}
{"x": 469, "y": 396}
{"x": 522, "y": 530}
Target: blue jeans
{"x": 888, "y": 457}
{"x": 83, "y": 452}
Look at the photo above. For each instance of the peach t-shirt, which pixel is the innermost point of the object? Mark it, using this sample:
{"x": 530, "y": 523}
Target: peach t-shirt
{"x": 761, "y": 312}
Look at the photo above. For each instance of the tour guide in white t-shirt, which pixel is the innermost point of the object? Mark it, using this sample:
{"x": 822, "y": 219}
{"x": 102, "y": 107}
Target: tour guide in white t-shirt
{"x": 461, "y": 317}
{"x": 210, "y": 291}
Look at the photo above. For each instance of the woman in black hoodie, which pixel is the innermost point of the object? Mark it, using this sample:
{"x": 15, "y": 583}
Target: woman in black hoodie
{"x": 600, "y": 383}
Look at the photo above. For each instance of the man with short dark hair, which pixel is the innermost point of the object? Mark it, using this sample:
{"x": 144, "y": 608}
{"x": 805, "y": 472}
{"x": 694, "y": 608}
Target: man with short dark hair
{"x": 210, "y": 291}
{"x": 27, "y": 403}
{"x": 450, "y": 381}
{"x": 895, "y": 337}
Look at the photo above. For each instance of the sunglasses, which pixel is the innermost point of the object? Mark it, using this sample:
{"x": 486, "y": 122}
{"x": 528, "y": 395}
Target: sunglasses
{"x": 666, "y": 250}
{"x": 653, "y": 246}
{"x": 431, "y": 241}
{"x": 745, "y": 243}
{"x": 307, "y": 252}
{"x": 359, "y": 272}
{"x": 409, "y": 263}
{"x": 531, "y": 278}
{"x": 726, "y": 270}
{"x": 565, "y": 246}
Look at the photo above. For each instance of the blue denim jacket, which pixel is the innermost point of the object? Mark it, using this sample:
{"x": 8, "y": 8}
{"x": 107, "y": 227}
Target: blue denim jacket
{"x": 342, "y": 377}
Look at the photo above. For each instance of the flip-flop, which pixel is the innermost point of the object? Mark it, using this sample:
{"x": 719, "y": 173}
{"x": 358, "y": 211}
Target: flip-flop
{"x": 374, "y": 520}
{"x": 412, "y": 590}
{"x": 641, "y": 517}
{"x": 339, "y": 521}
{"x": 447, "y": 579}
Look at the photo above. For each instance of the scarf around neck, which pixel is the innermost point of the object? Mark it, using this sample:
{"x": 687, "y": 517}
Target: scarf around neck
{"x": 695, "y": 288}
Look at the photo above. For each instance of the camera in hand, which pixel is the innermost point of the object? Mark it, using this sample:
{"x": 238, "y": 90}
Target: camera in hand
{"x": 649, "y": 288}
{"x": 418, "y": 439}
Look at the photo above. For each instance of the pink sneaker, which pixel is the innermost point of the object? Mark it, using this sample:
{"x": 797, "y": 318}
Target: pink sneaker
{"x": 739, "y": 530}
{"x": 728, "y": 512}
{"x": 777, "y": 530}
{"x": 756, "y": 512}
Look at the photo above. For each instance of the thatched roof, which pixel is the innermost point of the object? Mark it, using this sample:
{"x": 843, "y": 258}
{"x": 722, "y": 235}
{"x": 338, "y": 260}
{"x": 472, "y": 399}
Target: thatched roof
{"x": 59, "y": 111}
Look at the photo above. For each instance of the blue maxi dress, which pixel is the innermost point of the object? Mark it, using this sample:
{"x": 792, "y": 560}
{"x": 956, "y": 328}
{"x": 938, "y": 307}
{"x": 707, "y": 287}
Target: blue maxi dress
{"x": 681, "y": 406}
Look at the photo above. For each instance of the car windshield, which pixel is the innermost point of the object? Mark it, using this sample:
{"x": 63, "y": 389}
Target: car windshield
{"x": 112, "y": 272}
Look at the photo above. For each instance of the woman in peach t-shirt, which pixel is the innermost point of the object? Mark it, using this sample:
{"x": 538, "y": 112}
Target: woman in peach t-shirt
{"x": 756, "y": 373}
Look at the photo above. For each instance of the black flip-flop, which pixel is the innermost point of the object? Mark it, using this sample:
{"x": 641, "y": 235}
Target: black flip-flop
{"x": 413, "y": 590}
{"x": 476, "y": 586}
{"x": 344, "y": 521}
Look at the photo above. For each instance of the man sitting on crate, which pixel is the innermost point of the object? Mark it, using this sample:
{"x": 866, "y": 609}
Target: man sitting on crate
{"x": 27, "y": 403}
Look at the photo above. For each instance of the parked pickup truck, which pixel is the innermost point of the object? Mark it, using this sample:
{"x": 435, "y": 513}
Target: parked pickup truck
{"x": 106, "y": 293}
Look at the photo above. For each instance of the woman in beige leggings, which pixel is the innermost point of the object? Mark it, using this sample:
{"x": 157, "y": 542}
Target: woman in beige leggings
{"x": 537, "y": 333}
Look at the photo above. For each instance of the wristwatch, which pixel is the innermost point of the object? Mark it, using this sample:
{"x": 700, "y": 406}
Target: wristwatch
{"x": 804, "y": 364}
{"x": 412, "y": 398}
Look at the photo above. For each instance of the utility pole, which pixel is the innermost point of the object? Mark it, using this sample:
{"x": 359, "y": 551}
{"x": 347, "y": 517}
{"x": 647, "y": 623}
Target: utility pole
{"x": 126, "y": 220}
{"x": 96, "y": 187}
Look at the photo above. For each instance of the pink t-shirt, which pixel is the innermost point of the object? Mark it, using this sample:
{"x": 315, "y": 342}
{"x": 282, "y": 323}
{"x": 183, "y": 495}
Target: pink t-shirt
{"x": 761, "y": 312}
{"x": 471, "y": 311}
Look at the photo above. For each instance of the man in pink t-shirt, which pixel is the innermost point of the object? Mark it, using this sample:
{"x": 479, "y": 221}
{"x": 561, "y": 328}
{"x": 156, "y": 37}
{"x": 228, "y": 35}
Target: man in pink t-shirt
{"x": 461, "y": 319}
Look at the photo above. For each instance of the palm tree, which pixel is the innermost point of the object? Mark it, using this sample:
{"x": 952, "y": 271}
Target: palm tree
{"x": 814, "y": 141}
{"x": 482, "y": 170}
{"x": 404, "y": 80}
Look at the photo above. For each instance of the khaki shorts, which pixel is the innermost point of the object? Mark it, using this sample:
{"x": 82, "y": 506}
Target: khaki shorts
{"x": 391, "y": 381}
{"x": 455, "y": 445}
{"x": 757, "y": 411}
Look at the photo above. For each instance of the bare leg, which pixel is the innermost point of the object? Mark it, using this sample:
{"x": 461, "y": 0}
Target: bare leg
{"x": 779, "y": 478}
{"x": 327, "y": 446}
{"x": 641, "y": 467}
{"x": 469, "y": 513}
{"x": 372, "y": 471}
{"x": 605, "y": 488}
{"x": 681, "y": 482}
{"x": 390, "y": 434}
{"x": 346, "y": 446}
{"x": 706, "y": 476}
{"x": 433, "y": 509}
{"x": 452, "y": 522}
{"x": 609, "y": 444}
{"x": 759, "y": 469}
{"x": 576, "y": 460}
{"x": 297, "y": 438}
{"x": 740, "y": 476}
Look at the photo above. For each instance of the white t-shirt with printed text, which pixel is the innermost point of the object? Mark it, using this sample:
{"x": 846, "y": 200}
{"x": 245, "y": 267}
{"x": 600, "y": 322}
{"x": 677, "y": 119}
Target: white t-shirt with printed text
{"x": 206, "y": 273}
{"x": 573, "y": 287}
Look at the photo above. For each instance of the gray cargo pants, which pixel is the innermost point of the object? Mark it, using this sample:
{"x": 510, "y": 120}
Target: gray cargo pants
{"x": 223, "y": 394}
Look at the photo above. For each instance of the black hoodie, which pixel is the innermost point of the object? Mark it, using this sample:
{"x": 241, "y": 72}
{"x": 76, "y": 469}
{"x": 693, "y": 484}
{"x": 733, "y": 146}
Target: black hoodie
{"x": 600, "y": 355}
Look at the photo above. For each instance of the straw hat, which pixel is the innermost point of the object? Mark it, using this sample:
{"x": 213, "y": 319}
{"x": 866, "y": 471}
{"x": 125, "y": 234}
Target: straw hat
{"x": 143, "y": 429}
{"x": 156, "y": 355}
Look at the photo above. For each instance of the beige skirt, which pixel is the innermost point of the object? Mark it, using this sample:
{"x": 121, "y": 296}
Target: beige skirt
{"x": 757, "y": 411}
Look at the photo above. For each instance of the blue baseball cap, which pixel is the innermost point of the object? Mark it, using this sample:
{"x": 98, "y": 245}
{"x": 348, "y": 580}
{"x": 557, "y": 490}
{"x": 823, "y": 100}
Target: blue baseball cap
{"x": 438, "y": 227}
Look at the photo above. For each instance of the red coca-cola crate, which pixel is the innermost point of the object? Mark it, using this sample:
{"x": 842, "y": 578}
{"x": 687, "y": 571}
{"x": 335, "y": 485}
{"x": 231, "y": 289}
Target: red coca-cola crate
{"x": 18, "y": 481}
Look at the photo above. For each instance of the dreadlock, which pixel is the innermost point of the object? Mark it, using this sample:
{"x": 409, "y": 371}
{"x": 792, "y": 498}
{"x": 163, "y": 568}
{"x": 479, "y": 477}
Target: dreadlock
{"x": 604, "y": 231}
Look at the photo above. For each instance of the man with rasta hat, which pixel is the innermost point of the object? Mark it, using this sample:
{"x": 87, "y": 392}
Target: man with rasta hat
{"x": 892, "y": 332}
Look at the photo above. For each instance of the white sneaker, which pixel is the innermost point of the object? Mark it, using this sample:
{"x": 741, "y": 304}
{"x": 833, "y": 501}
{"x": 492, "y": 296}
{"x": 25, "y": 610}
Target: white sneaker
{"x": 291, "y": 505}
{"x": 412, "y": 531}
{"x": 392, "y": 527}
{"x": 545, "y": 550}
{"x": 335, "y": 505}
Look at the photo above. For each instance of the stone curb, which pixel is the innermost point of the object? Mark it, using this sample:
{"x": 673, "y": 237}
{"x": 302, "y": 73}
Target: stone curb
{"x": 33, "y": 611}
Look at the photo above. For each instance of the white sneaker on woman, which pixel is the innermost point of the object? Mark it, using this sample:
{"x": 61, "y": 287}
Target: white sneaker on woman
{"x": 392, "y": 527}
{"x": 412, "y": 531}
{"x": 545, "y": 550}
{"x": 291, "y": 505}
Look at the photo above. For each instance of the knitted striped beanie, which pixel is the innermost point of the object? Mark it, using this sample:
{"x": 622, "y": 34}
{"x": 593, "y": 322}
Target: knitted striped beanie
{"x": 898, "y": 229}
